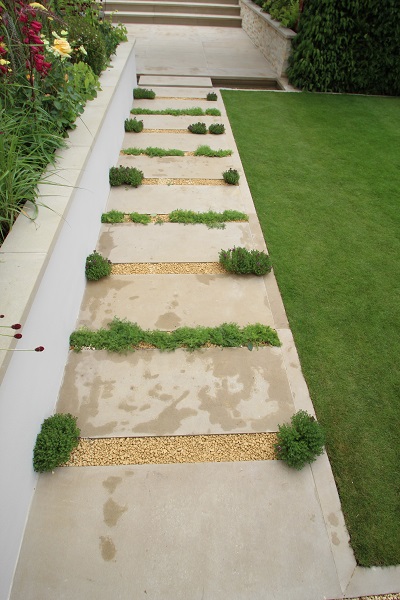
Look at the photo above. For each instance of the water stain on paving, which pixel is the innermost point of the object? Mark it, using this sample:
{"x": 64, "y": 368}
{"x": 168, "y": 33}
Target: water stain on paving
{"x": 333, "y": 520}
{"x": 168, "y": 321}
{"x": 147, "y": 375}
{"x": 168, "y": 421}
{"x": 112, "y": 512}
{"x": 107, "y": 548}
{"x": 111, "y": 483}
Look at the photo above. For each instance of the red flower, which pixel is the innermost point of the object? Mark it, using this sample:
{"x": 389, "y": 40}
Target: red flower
{"x": 16, "y": 326}
{"x": 39, "y": 349}
{"x": 36, "y": 26}
{"x": 18, "y": 336}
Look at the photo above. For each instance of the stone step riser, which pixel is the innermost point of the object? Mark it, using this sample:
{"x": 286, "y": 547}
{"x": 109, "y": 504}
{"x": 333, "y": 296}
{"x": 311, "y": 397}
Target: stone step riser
{"x": 177, "y": 19}
{"x": 187, "y": 9}
{"x": 129, "y": 6}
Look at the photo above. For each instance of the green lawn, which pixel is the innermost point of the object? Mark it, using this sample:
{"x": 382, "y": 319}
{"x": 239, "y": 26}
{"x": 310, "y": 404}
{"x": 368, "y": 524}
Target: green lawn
{"x": 324, "y": 171}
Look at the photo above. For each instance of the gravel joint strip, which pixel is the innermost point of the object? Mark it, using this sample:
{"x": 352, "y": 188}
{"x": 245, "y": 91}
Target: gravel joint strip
{"x": 172, "y": 181}
{"x": 183, "y": 268}
{"x": 165, "y": 130}
{"x": 173, "y": 449}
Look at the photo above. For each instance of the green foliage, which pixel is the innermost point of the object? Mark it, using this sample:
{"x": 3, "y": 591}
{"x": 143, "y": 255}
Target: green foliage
{"x": 285, "y": 11}
{"x": 113, "y": 216}
{"x": 347, "y": 46}
{"x": 113, "y": 35}
{"x": 211, "y": 97}
{"x": 83, "y": 33}
{"x": 123, "y": 336}
{"x": 243, "y": 261}
{"x": 178, "y": 112}
{"x": 125, "y": 176}
{"x": 97, "y": 267}
{"x": 199, "y": 128}
{"x": 140, "y": 218}
{"x": 142, "y": 93}
{"x": 211, "y": 219}
{"x": 58, "y": 436}
{"x": 153, "y": 152}
{"x": 132, "y": 125}
{"x": 207, "y": 151}
{"x": 216, "y": 128}
{"x": 231, "y": 176}
{"x": 301, "y": 442}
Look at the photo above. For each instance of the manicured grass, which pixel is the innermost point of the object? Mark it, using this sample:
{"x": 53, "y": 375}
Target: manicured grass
{"x": 324, "y": 174}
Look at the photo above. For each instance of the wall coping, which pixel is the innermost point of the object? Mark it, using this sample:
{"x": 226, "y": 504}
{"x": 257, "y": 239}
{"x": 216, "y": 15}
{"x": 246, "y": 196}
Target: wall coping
{"x": 285, "y": 32}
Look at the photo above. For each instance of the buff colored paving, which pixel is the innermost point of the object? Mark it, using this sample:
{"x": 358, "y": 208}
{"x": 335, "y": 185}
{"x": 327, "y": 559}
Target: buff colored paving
{"x": 247, "y": 528}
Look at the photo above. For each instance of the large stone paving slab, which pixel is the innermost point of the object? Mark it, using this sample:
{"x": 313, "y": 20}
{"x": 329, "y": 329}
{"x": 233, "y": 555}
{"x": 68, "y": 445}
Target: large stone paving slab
{"x": 149, "y": 392}
{"x": 170, "y": 301}
{"x": 237, "y": 531}
{"x": 129, "y": 242}
{"x": 182, "y": 141}
{"x": 166, "y": 198}
{"x": 186, "y": 167}
{"x": 160, "y": 104}
{"x": 163, "y": 80}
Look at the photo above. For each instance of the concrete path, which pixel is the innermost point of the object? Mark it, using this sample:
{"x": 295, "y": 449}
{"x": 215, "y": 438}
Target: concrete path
{"x": 240, "y": 530}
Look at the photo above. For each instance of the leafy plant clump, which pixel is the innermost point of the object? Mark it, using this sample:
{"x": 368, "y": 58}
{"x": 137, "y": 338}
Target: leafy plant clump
{"x": 58, "y": 436}
{"x": 133, "y": 126}
{"x": 140, "y": 218}
{"x": 125, "y": 176}
{"x": 231, "y": 176}
{"x": 199, "y": 128}
{"x": 211, "y": 97}
{"x": 216, "y": 128}
{"x": 124, "y": 336}
{"x": 301, "y": 442}
{"x": 285, "y": 11}
{"x": 244, "y": 262}
{"x": 178, "y": 112}
{"x": 142, "y": 93}
{"x": 113, "y": 216}
{"x": 210, "y": 218}
{"x": 152, "y": 152}
{"x": 207, "y": 151}
{"x": 97, "y": 267}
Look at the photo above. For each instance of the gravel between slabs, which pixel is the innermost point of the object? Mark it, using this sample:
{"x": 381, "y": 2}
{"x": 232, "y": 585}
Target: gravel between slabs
{"x": 171, "y": 181}
{"x": 165, "y": 130}
{"x": 173, "y": 449}
{"x": 183, "y": 268}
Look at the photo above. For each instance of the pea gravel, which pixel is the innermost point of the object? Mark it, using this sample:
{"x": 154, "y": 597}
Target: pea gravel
{"x": 172, "y": 268}
{"x": 173, "y": 449}
{"x": 165, "y": 130}
{"x": 171, "y": 181}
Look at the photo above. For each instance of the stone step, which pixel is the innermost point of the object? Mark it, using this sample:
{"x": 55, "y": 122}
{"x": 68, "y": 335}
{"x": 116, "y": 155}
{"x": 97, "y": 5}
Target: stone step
{"x": 194, "y": 20}
{"x": 179, "y": 141}
{"x": 188, "y": 8}
{"x": 170, "y": 301}
{"x": 158, "y": 393}
{"x": 166, "y": 198}
{"x": 177, "y": 81}
{"x": 125, "y": 5}
{"x": 129, "y": 242}
{"x": 181, "y": 167}
{"x": 183, "y": 122}
{"x": 160, "y": 104}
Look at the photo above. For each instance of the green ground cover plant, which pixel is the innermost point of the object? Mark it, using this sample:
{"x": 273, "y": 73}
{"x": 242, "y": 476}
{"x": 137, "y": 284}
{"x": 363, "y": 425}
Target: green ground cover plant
{"x": 210, "y": 218}
{"x": 125, "y": 176}
{"x": 323, "y": 172}
{"x": 216, "y": 128}
{"x": 152, "y": 152}
{"x": 231, "y": 176}
{"x": 140, "y": 218}
{"x": 245, "y": 262}
{"x": 143, "y": 93}
{"x": 207, "y": 151}
{"x": 300, "y": 442}
{"x": 211, "y": 97}
{"x": 178, "y": 112}
{"x": 124, "y": 336}
{"x": 198, "y": 128}
{"x": 97, "y": 267}
{"x": 58, "y": 436}
{"x": 113, "y": 216}
{"x": 133, "y": 125}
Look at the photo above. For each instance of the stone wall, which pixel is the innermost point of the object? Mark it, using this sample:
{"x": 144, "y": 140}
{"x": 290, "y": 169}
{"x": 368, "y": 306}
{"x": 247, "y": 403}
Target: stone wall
{"x": 273, "y": 40}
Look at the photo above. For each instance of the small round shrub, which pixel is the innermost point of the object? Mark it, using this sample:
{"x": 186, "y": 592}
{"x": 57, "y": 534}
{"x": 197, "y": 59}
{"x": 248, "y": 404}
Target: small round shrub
{"x": 199, "y": 128}
{"x": 133, "y": 125}
{"x": 113, "y": 216}
{"x": 245, "y": 262}
{"x": 231, "y": 176}
{"x": 211, "y": 97}
{"x": 97, "y": 267}
{"x": 83, "y": 33}
{"x": 301, "y": 442}
{"x": 58, "y": 436}
{"x": 125, "y": 175}
{"x": 142, "y": 93}
{"x": 216, "y": 128}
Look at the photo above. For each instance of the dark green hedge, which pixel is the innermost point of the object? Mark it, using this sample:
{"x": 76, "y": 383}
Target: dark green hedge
{"x": 347, "y": 46}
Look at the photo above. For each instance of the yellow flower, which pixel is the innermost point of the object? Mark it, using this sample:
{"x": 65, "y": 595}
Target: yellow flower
{"x": 4, "y": 62}
{"x": 62, "y": 48}
{"x": 37, "y": 5}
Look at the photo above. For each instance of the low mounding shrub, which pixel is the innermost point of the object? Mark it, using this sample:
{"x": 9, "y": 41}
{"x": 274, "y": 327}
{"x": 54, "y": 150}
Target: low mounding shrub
{"x": 113, "y": 216}
{"x": 97, "y": 267}
{"x": 199, "y": 128}
{"x": 133, "y": 125}
{"x": 285, "y": 11}
{"x": 244, "y": 262}
{"x": 216, "y": 128}
{"x": 231, "y": 176}
{"x": 301, "y": 442}
{"x": 211, "y": 97}
{"x": 58, "y": 436}
{"x": 125, "y": 176}
{"x": 142, "y": 93}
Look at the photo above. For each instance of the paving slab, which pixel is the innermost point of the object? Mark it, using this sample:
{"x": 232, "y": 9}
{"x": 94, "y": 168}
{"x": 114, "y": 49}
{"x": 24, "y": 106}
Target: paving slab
{"x": 182, "y": 167}
{"x": 170, "y": 301}
{"x": 182, "y": 141}
{"x": 182, "y": 92}
{"x": 129, "y": 242}
{"x": 176, "y": 532}
{"x": 170, "y": 80}
{"x": 166, "y": 198}
{"x": 160, "y": 104}
{"x": 149, "y": 392}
